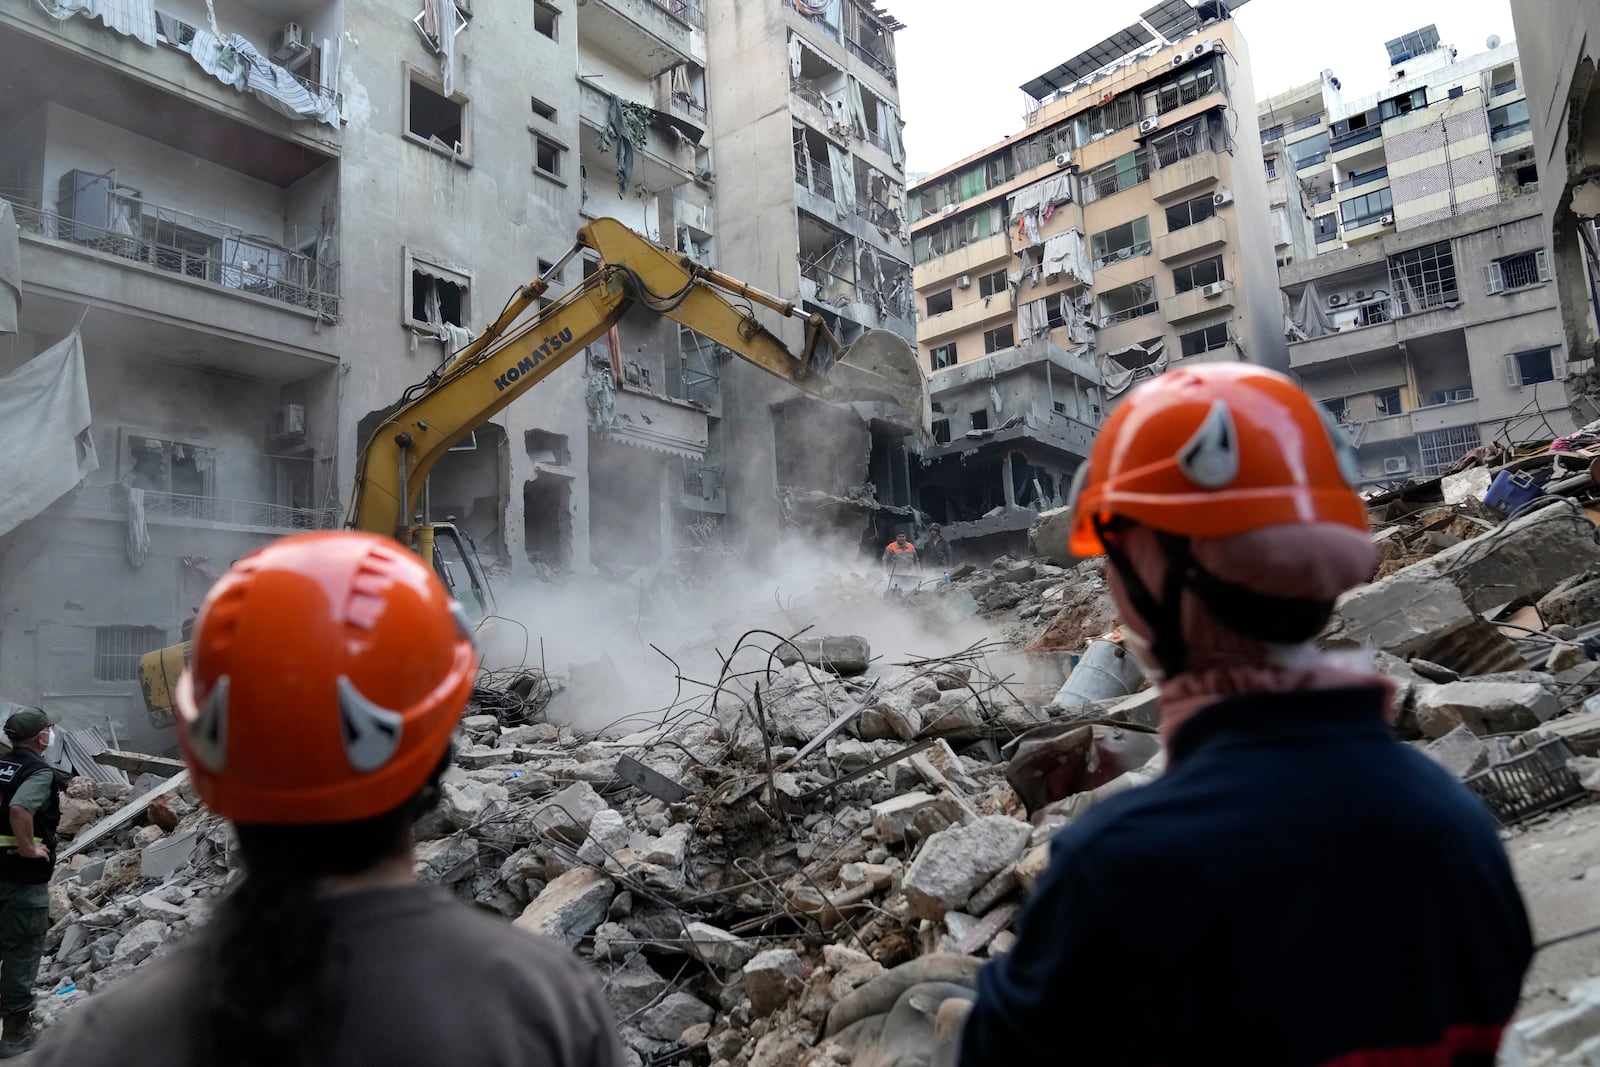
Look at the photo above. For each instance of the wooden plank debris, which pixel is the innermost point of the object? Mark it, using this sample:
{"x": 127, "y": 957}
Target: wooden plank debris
{"x": 137, "y": 763}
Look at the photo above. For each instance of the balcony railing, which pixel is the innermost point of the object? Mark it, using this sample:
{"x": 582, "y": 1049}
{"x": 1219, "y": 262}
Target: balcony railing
{"x": 1367, "y": 177}
{"x": 872, "y": 59}
{"x": 1111, "y": 318}
{"x": 174, "y": 32}
{"x": 228, "y": 260}
{"x": 689, "y": 11}
{"x": 1504, "y": 133}
{"x": 113, "y": 500}
{"x": 1503, "y": 88}
{"x": 880, "y": 138}
{"x": 820, "y": 180}
{"x": 1282, "y": 130}
{"x": 1361, "y": 136}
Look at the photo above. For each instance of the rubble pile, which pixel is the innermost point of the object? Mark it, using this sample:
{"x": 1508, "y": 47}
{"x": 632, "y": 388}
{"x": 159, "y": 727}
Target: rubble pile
{"x": 747, "y": 873}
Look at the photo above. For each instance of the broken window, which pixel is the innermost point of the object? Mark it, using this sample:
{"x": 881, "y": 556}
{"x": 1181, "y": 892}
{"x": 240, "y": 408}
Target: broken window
{"x": 548, "y": 448}
{"x": 1128, "y": 302}
{"x": 993, "y": 284}
{"x": 547, "y": 520}
{"x": 980, "y": 419}
{"x": 117, "y": 650}
{"x": 547, "y": 156}
{"x": 545, "y": 19}
{"x": 435, "y": 119}
{"x": 943, "y": 356}
{"x": 1388, "y": 402}
{"x": 1121, "y": 242}
{"x": 1195, "y": 275}
{"x": 1182, "y": 216}
{"x": 939, "y": 303}
{"x": 997, "y": 340}
{"x": 1424, "y": 278}
{"x": 1209, "y": 339}
{"x": 941, "y": 431}
{"x": 436, "y": 294}
{"x": 175, "y": 467}
{"x": 1534, "y": 366}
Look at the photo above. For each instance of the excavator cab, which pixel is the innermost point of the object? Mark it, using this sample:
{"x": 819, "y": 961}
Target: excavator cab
{"x": 455, "y": 560}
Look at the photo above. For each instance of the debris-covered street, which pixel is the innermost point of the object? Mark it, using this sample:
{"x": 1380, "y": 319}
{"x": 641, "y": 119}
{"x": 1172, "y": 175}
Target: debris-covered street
{"x": 746, "y": 865}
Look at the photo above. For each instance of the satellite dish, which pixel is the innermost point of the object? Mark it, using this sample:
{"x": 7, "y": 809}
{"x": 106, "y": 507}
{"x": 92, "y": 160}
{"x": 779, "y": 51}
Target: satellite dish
{"x": 1493, "y": 42}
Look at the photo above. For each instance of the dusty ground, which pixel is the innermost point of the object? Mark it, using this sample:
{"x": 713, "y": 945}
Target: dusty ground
{"x": 1557, "y": 861}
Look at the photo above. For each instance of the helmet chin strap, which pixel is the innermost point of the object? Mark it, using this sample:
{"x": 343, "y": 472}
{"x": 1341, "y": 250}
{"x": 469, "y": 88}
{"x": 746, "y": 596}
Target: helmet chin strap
{"x": 1163, "y": 615}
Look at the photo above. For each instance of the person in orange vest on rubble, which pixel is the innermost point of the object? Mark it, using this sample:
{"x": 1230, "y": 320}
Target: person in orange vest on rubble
{"x": 328, "y": 674}
{"x": 900, "y": 563}
{"x": 1245, "y": 906}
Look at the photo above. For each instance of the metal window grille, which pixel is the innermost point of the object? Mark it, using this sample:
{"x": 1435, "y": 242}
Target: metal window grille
{"x": 1424, "y": 278}
{"x": 1441, "y": 448}
{"x": 1514, "y": 272}
{"x": 117, "y": 650}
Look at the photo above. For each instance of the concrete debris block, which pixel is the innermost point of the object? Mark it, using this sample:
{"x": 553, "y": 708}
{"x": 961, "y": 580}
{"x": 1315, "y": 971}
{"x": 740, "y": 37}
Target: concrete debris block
{"x": 1031, "y": 867}
{"x": 1022, "y": 572}
{"x": 676, "y": 1013}
{"x": 480, "y": 724}
{"x": 910, "y": 817}
{"x": 1399, "y": 614}
{"x": 1574, "y": 602}
{"x": 797, "y": 710}
{"x": 956, "y": 716}
{"x": 720, "y": 948}
{"x": 1564, "y": 657}
{"x": 999, "y": 887}
{"x": 1047, "y": 537}
{"x": 1527, "y": 557}
{"x": 539, "y": 733}
{"x": 1141, "y": 709}
{"x": 78, "y": 813}
{"x": 446, "y": 860}
{"x": 145, "y": 836}
{"x": 1568, "y": 1033}
{"x": 843, "y": 655}
{"x": 152, "y": 906}
{"x": 1483, "y": 707}
{"x": 138, "y": 943}
{"x": 670, "y": 849}
{"x": 475, "y": 757}
{"x": 771, "y": 980}
{"x": 570, "y": 907}
{"x": 1582, "y": 730}
{"x": 1587, "y": 770}
{"x": 568, "y": 813}
{"x": 955, "y": 863}
{"x": 467, "y": 804}
{"x": 837, "y": 957}
{"x": 848, "y": 979}
{"x": 1460, "y": 752}
{"x": 1434, "y": 672}
{"x": 608, "y": 836}
{"x": 124, "y": 868}
{"x": 633, "y": 985}
{"x": 895, "y": 716}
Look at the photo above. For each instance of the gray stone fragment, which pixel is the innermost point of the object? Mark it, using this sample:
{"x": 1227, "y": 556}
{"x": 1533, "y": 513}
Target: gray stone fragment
{"x": 162, "y": 859}
{"x": 955, "y": 863}
{"x": 1483, "y": 707}
{"x": 844, "y": 655}
{"x": 771, "y": 979}
{"x": 718, "y": 947}
{"x": 676, "y": 1013}
{"x": 1401, "y": 613}
{"x": 608, "y": 836}
{"x": 911, "y": 817}
{"x": 670, "y": 849}
{"x": 1529, "y": 557}
{"x": 633, "y": 985}
{"x": 151, "y": 906}
{"x": 569, "y": 907}
{"x": 568, "y": 813}
{"x": 447, "y": 860}
{"x": 1582, "y": 730}
{"x": 1461, "y": 752}
{"x": 138, "y": 943}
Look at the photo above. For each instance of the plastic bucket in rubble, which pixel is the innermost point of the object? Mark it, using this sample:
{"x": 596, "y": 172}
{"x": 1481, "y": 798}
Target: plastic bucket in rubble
{"x": 1105, "y": 670}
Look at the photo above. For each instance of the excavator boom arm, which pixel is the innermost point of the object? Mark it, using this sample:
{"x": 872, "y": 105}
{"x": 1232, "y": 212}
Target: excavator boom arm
{"x": 515, "y": 353}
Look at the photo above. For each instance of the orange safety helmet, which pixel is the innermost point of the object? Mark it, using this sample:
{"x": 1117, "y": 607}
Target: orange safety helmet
{"x": 327, "y": 674}
{"x": 1215, "y": 450}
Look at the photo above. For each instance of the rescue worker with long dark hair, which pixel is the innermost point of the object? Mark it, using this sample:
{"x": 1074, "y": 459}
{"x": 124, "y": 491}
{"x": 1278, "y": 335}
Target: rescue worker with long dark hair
{"x": 1299, "y": 888}
{"x": 327, "y": 675}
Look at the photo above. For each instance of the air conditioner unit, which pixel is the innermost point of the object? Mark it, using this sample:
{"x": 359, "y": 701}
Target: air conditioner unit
{"x": 1202, "y": 48}
{"x": 1180, "y": 59}
{"x": 1336, "y": 300}
{"x": 289, "y": 423}
{"x": 1224, "y": 196}
{"x": 1215, "y": 289}
{"x": 964, "y": 282}
{"x": 1362, "y": 296}
{"x": 1461, "y": 394}
{"x": 1064, "y": 159}
{"x": 1149, "y": 124}
{"x": 1387, "y": 220}
{"x": 949, "y": 209}
{"x": 1396, "y": 464}
{"x": 289, "y": 43}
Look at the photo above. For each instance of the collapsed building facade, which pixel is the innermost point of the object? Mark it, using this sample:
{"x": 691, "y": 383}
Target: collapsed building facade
{"x": 1422, "y": 310}
{"x": 245, "y": 228}
{"x": 1124, "y": 230}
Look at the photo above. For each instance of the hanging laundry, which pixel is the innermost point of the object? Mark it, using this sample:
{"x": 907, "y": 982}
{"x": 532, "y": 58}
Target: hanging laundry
{"x": 1065, "y": 253}
{"x": 133, "y": 18}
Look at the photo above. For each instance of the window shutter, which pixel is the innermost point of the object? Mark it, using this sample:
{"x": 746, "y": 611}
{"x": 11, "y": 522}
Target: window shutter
{"x": 1513, "y": 372}
{"x": 1558, "y": 364}
{"x": 1493, "y": 279}
{"x": 1544, "y": 265}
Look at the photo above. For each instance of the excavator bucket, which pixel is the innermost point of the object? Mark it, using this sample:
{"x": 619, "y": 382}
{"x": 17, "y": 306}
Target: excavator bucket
{"x": 882, "y": 366}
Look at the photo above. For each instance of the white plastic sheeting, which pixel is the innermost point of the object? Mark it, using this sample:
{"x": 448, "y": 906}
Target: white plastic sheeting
{"x": 44, "y": 431}
{"x": 1065, "y": 253}
{"x": 1118, "y": 378}
{"x": 133, "y": 18}
{"x": 236, "y": 62}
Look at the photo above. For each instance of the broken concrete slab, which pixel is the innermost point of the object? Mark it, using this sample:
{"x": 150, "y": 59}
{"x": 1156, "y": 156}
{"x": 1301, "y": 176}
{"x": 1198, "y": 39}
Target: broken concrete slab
{"x": 1526, "y": 557}
{"x": 163, "y": 858}
{"x": 1047, "y": 537}
{"x": 1483, "y": 707}
{"x": 1399, "y": 614}
{"x": 956, "y": 863}
{"x": 676, "y": 1013}
{"x": 911, "y": 817}
{"x": 1461, "y": 752}
{"x": 845, "y": 655}
{"x": 569, "y": 907}
{"x": 138, "y": 943}
{"x": 718, "y": 947}
{"x": 608, "y": 836}
{"x": 771, "y": 980}
{"x": 633, "y": 985}
{"x": 568, "y": 814}
{"x": 1582, "y": 731}
{"x": 1574, "y": 602}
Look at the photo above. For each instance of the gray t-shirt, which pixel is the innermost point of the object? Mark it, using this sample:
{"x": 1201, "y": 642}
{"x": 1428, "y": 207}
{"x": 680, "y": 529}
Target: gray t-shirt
{"x": 429, "y": 981}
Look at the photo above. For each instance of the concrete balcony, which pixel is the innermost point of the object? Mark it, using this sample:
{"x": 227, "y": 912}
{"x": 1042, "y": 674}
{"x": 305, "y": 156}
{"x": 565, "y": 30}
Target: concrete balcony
{"x": 110, "y": 502}
{"x": 662, "y": 162}
{"x": 993, "y": 311}
{"x": 1201, "y": 237}
{"x": 661, "y": 423}
{"x": 1445, "y": 416}
{"x": 642, "y": 33}
{"x": 1186, "y": 178}
{"x": 1343, "y": 345}
{"x": 968, "y": 260}
{"x": 1381, "y": 431}
{"x": 1135, "y": 331}
{"x": 1195, "y": 303}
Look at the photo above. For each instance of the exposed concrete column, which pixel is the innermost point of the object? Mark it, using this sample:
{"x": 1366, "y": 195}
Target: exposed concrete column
{"x": 1005, "y": 476}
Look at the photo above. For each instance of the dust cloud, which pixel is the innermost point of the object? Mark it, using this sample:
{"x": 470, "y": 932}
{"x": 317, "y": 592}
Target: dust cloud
{"x": 610, "y": 639}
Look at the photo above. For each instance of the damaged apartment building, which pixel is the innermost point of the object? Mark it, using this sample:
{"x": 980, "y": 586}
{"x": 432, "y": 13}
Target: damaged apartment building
{"x": 816, "y": 85}
{"x": 1424, "y": 314}
{"x": 245, "y": 228}
{"x": 1123, "y": 230}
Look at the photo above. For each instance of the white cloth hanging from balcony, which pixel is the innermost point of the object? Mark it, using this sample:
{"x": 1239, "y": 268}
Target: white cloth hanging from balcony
{"x": 10, "y": 270}
{"x": 44, "y": 431}
{"x": 844, "y": 180}
{"x": 236, "y": 62}
{"x": 133, "y": 18}
{"x": 1064, "y": 253}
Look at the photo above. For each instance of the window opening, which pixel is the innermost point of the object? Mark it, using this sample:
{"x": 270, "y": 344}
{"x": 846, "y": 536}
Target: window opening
{"x": 939, "y": 303}
{"x": 942, "y": 357}
{"x": 1182, "y": 216}
{"x": 1195, "y": 275}
{"x": 436, "y": 118}
{"x": 1128, "y": 302}
{"x": 545, "y": 18}
{"x": 117, "y": 650}
{"x": 999, "y": 339}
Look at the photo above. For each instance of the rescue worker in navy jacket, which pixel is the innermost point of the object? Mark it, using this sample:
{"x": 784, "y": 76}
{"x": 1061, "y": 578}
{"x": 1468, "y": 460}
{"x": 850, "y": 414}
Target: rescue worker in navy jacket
{"x": 27, "y": 858}
{"x": 1299, "y": 888}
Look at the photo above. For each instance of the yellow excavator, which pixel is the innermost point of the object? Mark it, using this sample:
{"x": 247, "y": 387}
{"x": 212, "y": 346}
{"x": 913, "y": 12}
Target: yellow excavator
{"x": 519, "y": 350}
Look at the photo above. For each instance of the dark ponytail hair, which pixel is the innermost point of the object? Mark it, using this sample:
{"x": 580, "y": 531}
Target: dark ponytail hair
{"x": 271, "y": 988}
